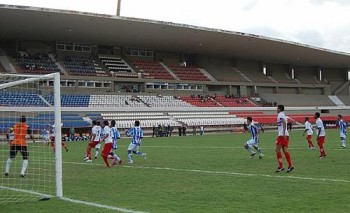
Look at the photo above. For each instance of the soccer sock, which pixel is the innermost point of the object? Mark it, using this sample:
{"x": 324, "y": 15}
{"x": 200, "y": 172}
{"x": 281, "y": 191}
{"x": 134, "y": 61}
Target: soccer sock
{"x": 8, "y": 165}
{"x": 88, "y": 152}
{"x": 279, "y": 159}
{"x": 288, "y": 158}
{"x": 258, "y": 150}
{"x": 116, "y": 157}
{"x": 343, "y": 143}
{"x": 322, "y": 152}
{"x": 138, "y": 153}
{"x": 130, "y": 157}
{"x": 64, "y": 145}
{"x": 249, "y": 149}
{"x": 310, "y": 143}
{"x": 96, "y": 152}
{"x": 24, "y": 167}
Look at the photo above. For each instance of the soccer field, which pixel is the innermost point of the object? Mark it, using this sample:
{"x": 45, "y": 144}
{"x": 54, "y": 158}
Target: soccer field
{"x": 211, "y": 173}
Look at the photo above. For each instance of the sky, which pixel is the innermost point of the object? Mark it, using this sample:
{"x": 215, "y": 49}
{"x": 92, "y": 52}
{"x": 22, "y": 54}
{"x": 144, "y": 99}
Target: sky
{"x": 320, "y": 23}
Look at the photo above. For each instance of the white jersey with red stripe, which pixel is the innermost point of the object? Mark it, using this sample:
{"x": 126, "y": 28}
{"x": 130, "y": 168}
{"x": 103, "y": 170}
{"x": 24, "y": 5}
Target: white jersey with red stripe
{"x": 282, "y": 118}
{"x": 107, "y": 134}
{"x": 96, "y": 133}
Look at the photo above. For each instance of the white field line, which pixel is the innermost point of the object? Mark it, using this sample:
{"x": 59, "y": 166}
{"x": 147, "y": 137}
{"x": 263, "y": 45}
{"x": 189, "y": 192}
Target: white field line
{"x": 25, "y": 191}
{"x": 298, "y": 147}
{"x": 72, "y": 200}
{"x": 101, "y": 206}
{"x": 223, "y": 173}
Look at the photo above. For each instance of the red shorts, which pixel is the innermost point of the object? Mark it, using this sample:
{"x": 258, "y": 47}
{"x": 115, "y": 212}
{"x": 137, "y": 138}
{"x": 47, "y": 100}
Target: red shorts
{"x": 92, "y": 144}
{"x": 107, "y": 148}
{"x": 321, "y": 139}
{"x": 308, "y": 137}
{"x": 282, "y": 141}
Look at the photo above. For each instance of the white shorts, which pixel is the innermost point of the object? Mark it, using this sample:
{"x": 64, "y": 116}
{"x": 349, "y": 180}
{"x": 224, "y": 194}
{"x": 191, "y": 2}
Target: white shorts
{"x": 133, "y": 147}
{"x": 252, "y": 142}
{"x": 342, "y": 135}
{"x": 98, "y": 146}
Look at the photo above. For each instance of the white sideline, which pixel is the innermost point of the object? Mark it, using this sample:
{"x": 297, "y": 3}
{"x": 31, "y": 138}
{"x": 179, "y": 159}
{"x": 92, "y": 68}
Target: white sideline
{"x": 26, "y": 191}
{"x": 224, "y": 173}
{"x": 101, "y": 205}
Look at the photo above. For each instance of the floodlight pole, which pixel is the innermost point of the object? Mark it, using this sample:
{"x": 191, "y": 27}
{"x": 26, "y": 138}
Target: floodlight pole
{"x": 118, "y": 7}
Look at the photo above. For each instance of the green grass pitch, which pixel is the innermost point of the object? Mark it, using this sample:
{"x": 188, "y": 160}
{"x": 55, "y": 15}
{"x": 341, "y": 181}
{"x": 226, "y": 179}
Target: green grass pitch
{"x": 211, "y": 173}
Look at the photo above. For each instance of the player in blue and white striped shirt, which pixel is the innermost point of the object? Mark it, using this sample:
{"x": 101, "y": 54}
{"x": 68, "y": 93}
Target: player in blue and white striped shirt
{"x": 115, "y": 136}
{"x": 137, "y": 134}
{"x": 254, "y": 130}
{"x": 342, "y": 128}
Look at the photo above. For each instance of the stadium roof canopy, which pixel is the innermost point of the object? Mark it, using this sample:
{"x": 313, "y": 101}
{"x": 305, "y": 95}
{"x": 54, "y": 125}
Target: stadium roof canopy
{"x": 31, "y": 23}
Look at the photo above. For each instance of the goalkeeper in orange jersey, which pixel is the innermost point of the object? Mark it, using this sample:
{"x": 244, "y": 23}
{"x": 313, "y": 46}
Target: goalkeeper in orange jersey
{"x": 19, "y": 143}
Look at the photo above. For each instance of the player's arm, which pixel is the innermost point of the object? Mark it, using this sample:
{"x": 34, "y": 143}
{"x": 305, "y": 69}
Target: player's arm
{"x": 30, "y": 133}
{"x": 118, "y": 134}
{"x": 129, "y": 132}
{"x": 304, "y": 131}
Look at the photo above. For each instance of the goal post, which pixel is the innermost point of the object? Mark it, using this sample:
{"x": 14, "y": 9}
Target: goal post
{"x": 25, "y": 95}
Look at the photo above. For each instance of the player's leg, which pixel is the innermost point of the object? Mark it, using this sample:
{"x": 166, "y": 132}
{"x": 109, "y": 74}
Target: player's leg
{"x": 13, "y": 152}
{"x": 97, "y": 149}
{"x": 105, "y": 152}
{"x": 116, "y": 158}
{"x": 278, "y": 148}
{"x": 320, "y": 143}
{"x": 257, "y": 148}
{"x": 90, "y": 145}
{"x": 64, "y": 145}
{"x": 309, "y": 141}
{"x": 248, "y": 147}
{"x": 25, "y": 154}
{"x": 131, "y": 148}
{"x": 288, "y": 158}
{"x": 342, "y": 139}
{"x": 137, "y": 152}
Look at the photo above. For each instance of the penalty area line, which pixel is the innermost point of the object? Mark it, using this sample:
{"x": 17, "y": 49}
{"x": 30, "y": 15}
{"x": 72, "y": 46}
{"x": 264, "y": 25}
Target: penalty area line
{"x": 239, "y": 174}
{"x": 100, "y": 205}
{"x": 223, "y": 173}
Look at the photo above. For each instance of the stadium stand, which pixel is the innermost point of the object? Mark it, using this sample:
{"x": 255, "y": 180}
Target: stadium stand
{"x": 279, "y": 74}
{"x": 117, "y": 66}
{"x": 188, "y": 73}
{"x": 71, "y": 100}
{"x": 82, "y": 66}
{"x": 200, "y": 101}
{"x": 207, "y": 118}
{"x": 163, "y": 101}
{"x": 36, "y": 64}
{"x": 253, "y": 72}
{"x": 223, "y": 71}
{"x": 151, "y": 69}
{"x": 21, "y": 99}
{"x": 147, "y": 119}
{"x": 115, "y": 101}
{"x": 345, "y": 99}
{"x": 302, "y": 100}
{"x": 306, "y": 75}
{"x": 227, "y": 101}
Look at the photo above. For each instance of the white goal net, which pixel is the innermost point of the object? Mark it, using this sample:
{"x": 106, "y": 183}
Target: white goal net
{"x": 30, "y": 168}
